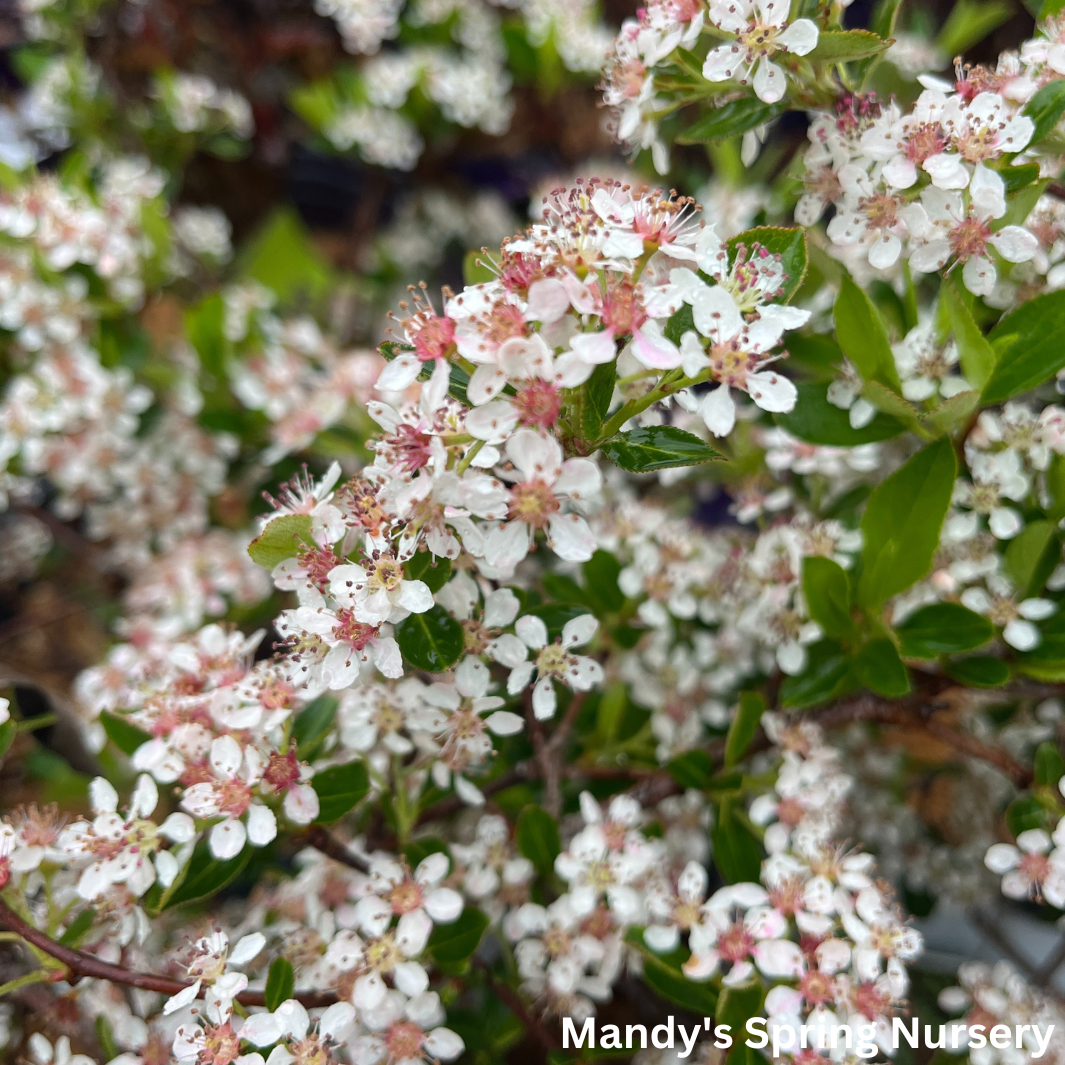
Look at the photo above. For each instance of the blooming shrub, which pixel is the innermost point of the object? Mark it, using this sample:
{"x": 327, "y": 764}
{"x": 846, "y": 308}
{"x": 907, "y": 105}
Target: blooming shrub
{"x": 664, "y": 620}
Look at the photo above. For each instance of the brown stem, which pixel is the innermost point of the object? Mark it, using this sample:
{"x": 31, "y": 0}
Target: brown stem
{"x": 323, "y": 840}
{"x": 510, "y": 998}
{"x": 79, "y": 964}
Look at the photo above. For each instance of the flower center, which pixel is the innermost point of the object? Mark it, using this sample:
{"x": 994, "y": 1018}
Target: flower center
{"x": 736, "y": 943}
{"x": 532, "y": 502}
{"x": 221, "y": 1045}
{"x": 554, "y": 661}
{"x": 730, "y": 364}
{"x": 538, "y": 403}
{"x": 816, "y": 987}
{"x": 348, "y": 630}
{"x": 382, "y": 955}
{"x": 758, "y": 39}
{"x": 922, "y": 141}
{"x": 387, "y": 574}
{"x": 476, "y": 637}
{"x": 405, "y": 897}
{"x": 969, "y": 238}
{"x": 404, "y": 1041}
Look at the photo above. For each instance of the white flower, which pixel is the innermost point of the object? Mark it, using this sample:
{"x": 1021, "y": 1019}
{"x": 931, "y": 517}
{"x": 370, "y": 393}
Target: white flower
{"x": 406, "y": 1032}
{"x": 379, "y": 592}
{"x": 760, "y": 34}
{"x": 554, "y": 661}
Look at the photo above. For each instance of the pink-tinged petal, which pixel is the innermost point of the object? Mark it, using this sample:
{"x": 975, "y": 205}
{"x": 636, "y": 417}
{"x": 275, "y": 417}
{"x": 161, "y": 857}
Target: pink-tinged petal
{"x": 594, "y": 348}
{"x": 548, "y": 300}
{"x": 653, "y": 349}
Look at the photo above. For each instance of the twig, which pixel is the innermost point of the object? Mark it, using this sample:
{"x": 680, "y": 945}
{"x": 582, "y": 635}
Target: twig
{"x": 323, "y": 840}
{"x": 79, "y": 964}
{"x": 510, "y": 998}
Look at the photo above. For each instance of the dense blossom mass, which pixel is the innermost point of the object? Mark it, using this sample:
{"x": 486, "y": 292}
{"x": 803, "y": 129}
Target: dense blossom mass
{"x": 668, "y": 618}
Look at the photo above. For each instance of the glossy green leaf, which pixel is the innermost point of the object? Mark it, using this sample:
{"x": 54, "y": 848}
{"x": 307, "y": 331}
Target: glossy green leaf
{"x": 840, "y": 46}
{"x": 657, "y": 447}
{"x": 826, "y": 588}
{"x": 455, "y": 942}
{"x": 431, "y": 641}
{"x": 877, "y": 666}
{"x": 537, "y": 837}
{"x": 122, "y": 732}
{"x": 675, "y": 987}
{"x": 743, "y": 726}
{"x": 312, "y": 724}
{"x": 943, "y": 628}
{"x": 862, "y": 336}
{"x": 901, "y": 523}
{"x": 280, "y": 983}
{"x": 1045, "y": 109}
{"x": 281, "y": 539}
{"x": 8, "y": 731}
{"x": 738, "y": 1004}
{"x": 826, "y": 676}
{"x": 203, "y": 326}
{"x": 430, "y": 570}
{"x": 952, "y": 413}
{"x": 680, "y": 322}
{"x": 969, "y": 22}
{"x": 340, "y": 788}
{"x": 1033, "y": 347}
{"x": 1049, "y": 765}
{"x": 731, "y": 119}
{"x": 979, "y": 671}
{"x": 817, "y": 421}
{"x": 78, "y": 928}
{"x": 1031, "y": 557}
{"x": 974, "y": 349}
{"x": 600, "y": 575}
{"x": 598, "y": 391}
{"x": 1024, "y": 813}
{"x": 692, "y": 769}
{"x": 788, "y": 243}
{"x": 203, "y": 876}
{"x": 737, "y": 854}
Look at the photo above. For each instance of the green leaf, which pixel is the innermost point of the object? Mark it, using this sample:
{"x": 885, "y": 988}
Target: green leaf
{"x": 862, "y": 336}
{"x": 280, "y": 983}
{"x": 564, "y": 589}
{"x": 969, "y": 22}
{"x": 877, "y": 666}
{"x": 743, "y": 726}
{"x": 430, "y": 570}
{"x": 431, "y": 641}
{"x": 283, "y": 258}
{"x": 976, "y": 353}
{"x": 901, "y": 523}
{"x": 657, "y": 447}
{"x": 675, "y": 987}
{"x": 312, "y": 724}
{"x": 125, "y": 735}
{"x": 737, "y": 854}
{"x": 692, "y": 769}
{"x": 738, "y": 1004}
{"x": 731, "y": 119}
{"x": 601, "y": 574}
{"x": 455, "y": 942}
{"x": 106, "y": 1037}
{"x": 537, "y": 837}
{"x": 78, "y": 928}
{"x": 340, "y": 788}
{"x": 1025, "y": 812}
{"x": 891, "y": 403}
{"x": 941, "y": 629}
{"x": 826, "y": 587}
{"x": 788, "y": 243}
{"x": 1049, "y": 764}
{"x": 474, "y": 270}
{"x": 204, "y": 875}
{"x": 1035, "y": 350}
{"x": 979, "y": 671}
{"x": 663, "y": 974}
{"x": 840, "y": 46}
{"x": 884, "y": 16}
{"x": 8, "y": 731}
{"x": 680, "y": 322}
{"x": 817, "y": 421}
{"x": 1031, "y": 556}
{"x": 1016, "y": 178}
{"x": 951, "y": 413}
{"x": 598, "y": 391}
{"x": 281, "y": 539}
{"x": 611, "y": 711}
{"x": 203, "y": 326}
{"x": 827, "y": 675}
{"x": 1045, "y": 110}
